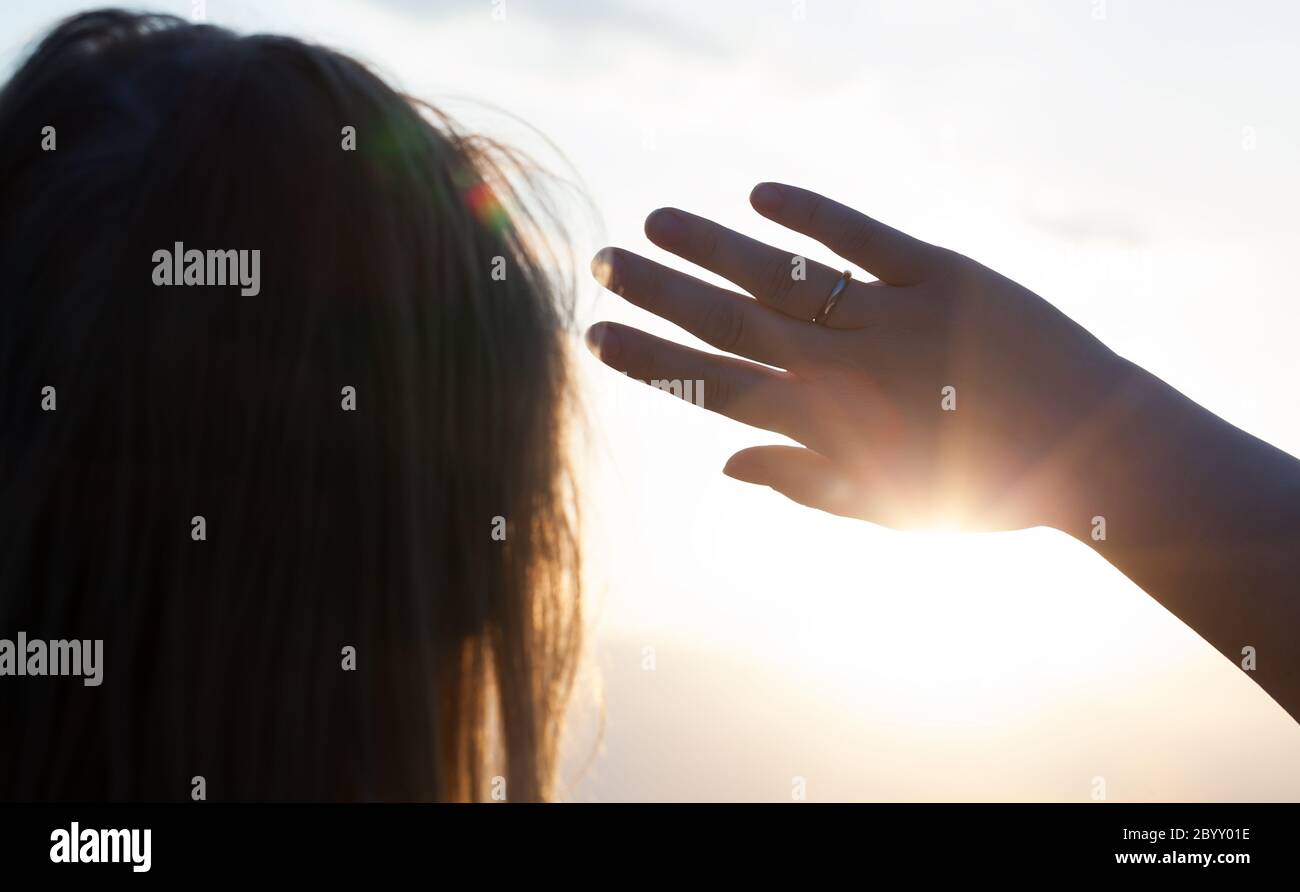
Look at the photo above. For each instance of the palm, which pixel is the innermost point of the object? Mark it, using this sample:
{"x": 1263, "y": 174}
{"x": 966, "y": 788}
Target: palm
{"x": 942, "y": 392}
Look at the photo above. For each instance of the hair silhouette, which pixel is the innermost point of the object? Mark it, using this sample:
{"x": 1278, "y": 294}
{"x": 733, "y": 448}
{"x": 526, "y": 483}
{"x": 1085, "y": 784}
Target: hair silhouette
{"x": 326, "y": 528}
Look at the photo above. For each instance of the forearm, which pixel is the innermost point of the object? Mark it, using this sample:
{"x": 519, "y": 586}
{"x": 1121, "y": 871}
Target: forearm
{"x": 1201, "y": 515}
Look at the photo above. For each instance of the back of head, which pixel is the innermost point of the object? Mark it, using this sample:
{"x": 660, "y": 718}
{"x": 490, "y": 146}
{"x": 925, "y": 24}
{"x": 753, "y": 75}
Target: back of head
{"x": 272, "y": 497}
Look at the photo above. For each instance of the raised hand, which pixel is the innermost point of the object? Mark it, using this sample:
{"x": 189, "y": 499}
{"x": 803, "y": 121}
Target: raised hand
{"x": 942, "y": 393}
{"x": 946, "y": 394}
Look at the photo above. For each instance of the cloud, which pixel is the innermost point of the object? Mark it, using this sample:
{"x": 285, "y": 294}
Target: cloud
{"x": 1086, "y": 227}
{"x": 575, "y": 17}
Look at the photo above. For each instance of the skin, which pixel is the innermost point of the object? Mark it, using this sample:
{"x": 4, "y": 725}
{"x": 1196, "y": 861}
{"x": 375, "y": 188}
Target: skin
{"x": 944, "y": 394}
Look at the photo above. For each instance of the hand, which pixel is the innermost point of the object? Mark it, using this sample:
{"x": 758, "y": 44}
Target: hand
{"x": 941, "y": 394}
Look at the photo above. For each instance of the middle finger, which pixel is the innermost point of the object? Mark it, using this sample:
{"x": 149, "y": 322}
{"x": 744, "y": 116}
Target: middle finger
{"x": 719, "y": 317}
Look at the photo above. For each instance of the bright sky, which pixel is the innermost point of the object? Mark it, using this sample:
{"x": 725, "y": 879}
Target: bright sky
{"x": 1134, "y": 163}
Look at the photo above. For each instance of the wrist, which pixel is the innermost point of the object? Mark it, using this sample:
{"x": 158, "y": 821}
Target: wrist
{"x": 1152, "y": 468}
{"x": 1104, "y": 457}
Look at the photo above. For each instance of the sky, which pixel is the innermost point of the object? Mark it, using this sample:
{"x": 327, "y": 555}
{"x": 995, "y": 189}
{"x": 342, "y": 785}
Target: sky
{"x": 1135, "y": 163}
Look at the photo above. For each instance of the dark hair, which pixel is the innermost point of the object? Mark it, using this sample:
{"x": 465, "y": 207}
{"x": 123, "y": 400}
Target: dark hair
{"x": 381, "y": 270}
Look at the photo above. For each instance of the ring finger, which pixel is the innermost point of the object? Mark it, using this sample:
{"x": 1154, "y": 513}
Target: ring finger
{"x": 788, "y": 283}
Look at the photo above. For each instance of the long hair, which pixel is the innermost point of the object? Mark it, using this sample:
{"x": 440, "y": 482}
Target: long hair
{"x": 324, "y": 525}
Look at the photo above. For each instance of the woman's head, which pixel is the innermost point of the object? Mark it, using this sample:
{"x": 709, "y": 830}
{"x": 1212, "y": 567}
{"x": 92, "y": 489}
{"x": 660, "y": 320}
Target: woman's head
{"x": 371, "y": 436}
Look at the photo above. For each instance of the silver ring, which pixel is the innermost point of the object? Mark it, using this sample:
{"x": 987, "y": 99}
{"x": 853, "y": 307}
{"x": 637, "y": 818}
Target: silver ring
{"x": 833, "y": 298}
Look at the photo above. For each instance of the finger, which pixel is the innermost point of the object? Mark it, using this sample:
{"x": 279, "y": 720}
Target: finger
{"x": 749, "y": 393}
{"x": 789, "y": 283}
{"x": 895, "y": 257}
{"x": 869, "y": 305}
{"x": 801, "y": 475}
{"x": 720, "y": 318}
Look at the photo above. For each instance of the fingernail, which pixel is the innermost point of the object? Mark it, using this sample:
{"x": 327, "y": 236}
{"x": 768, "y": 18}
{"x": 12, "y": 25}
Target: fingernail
{"x": 664, "y": 227}
{"x": 604, "y": 267}
{"x": 766, "y": 198}
{"x": 739, "y": 468}
{"x": 603, "y": 341}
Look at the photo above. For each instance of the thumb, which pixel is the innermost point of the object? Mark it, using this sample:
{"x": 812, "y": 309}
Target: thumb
{"x": 801, "y": 475}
